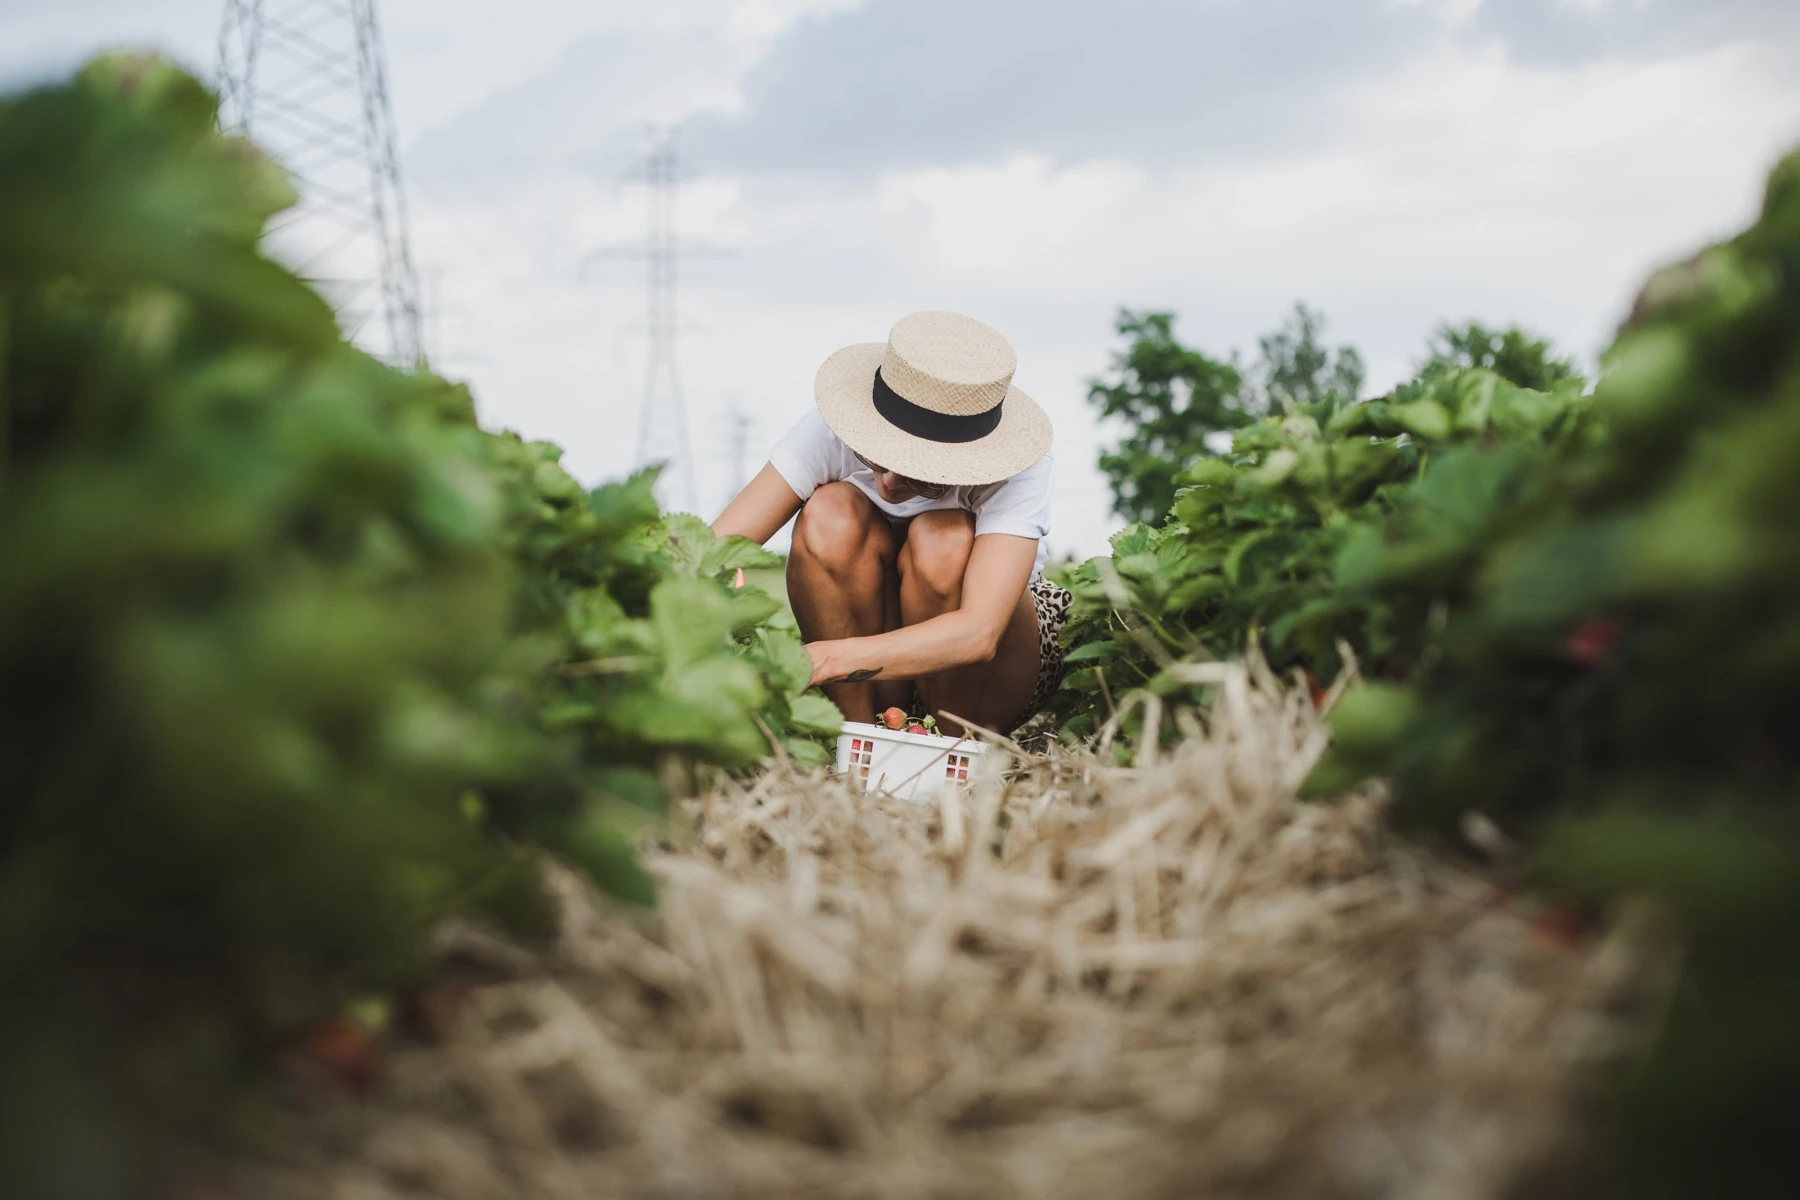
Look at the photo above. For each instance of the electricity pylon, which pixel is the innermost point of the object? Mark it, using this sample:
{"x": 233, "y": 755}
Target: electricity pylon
{"x": 307, "y": 80}
{"x": 662, "y": 418}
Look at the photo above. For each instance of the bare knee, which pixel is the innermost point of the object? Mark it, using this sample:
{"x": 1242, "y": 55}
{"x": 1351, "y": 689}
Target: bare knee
{"x": 936, "y": 554}
{"x": 838, "y": 527}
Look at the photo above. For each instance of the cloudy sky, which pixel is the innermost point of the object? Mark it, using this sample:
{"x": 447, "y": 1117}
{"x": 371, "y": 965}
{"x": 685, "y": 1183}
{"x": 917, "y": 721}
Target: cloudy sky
{"x": 1036, "y": 163}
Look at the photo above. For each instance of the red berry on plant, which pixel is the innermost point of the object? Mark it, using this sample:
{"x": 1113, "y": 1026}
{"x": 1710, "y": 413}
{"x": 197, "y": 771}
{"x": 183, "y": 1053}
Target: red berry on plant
{"x": 1591, "y": 640}
{"x": 342, "y": 1048}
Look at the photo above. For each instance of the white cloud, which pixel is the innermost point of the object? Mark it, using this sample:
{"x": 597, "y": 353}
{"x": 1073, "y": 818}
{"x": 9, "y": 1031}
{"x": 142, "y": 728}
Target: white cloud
{"x": 1472, "y": 187}
{"x": 1011, "y": 216}
{"x": 1458, "y": 183}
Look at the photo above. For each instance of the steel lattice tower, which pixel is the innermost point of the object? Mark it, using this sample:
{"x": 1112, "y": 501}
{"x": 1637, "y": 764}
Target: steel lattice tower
{"x": 661, "y": 432}
{"x": 308, "y": 81}
{"x": 662, "y": 420}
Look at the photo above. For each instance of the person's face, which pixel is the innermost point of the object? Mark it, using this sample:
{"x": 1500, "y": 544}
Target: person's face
{"x": 897, "y": 488}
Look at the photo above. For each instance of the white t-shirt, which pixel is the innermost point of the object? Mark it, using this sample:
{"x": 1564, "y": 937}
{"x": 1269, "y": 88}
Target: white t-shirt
{"x": 811, "y": 456}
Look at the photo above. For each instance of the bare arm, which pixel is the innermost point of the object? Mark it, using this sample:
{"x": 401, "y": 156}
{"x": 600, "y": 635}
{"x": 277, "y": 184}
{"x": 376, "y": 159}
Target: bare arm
{"x": 761, "y": 509}
{"x": 999, "y": 568}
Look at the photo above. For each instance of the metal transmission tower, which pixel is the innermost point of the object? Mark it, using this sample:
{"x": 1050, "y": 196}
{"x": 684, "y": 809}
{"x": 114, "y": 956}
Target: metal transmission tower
{"x": 662, "y": 421}
{"x": 307, "y": 80}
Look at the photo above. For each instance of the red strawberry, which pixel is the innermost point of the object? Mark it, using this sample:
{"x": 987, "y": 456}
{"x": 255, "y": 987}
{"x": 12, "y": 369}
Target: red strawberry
{"x": 1591, "y": 640}
{"x": 342, "y": 1048}
{"x": 915, "y": 727}
{"x": 1561, "y": 928}
{"x": 894, "y": 718}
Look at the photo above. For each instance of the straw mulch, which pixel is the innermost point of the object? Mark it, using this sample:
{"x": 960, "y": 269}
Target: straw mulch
{"x": 1169, "y": 980}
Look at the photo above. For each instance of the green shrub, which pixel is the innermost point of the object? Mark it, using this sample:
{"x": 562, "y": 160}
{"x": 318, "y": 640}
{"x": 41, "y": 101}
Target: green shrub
{"x": 1622, "y": 687}
{"x": 1281, "y": 539}
{"x": 1578, "y": 617}
{"x": 296, "y": 659}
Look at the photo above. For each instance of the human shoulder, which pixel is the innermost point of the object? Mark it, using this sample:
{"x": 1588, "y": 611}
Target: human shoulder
{"x": 1017, "y": 505}
{"x": 1033, "y": 481}
{"x": 810, "y": 455}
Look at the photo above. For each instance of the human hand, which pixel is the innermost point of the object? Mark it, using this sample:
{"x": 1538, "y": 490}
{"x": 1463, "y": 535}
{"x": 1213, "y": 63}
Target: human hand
{"x": 826, "y": 668}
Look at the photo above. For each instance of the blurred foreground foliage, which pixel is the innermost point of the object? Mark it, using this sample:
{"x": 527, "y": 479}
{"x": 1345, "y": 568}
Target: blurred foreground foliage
{"x": 1622, "y": 688}
{"x": 1576, "y": 615}
{"x": 296, "y": 659}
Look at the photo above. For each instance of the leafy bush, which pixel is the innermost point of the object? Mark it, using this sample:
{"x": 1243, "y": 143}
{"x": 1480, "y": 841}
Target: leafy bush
{"x": 1622, "y": 687}
{"x": 1513, "y": 354}
{"x": 1296, "y": 369}
{"x": 1578, "y": 618}
{"x": 651, "y": 660}
{"x": 1171, "y": 398}
{"x": 295, "y": 656}
{"x": 1282, "y": 538}
{"x": 1178, "y": 405}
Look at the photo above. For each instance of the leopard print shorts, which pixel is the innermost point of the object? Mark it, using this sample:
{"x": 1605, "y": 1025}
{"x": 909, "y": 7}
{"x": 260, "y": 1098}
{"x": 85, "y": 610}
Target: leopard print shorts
{"x": 1052, "y": 605}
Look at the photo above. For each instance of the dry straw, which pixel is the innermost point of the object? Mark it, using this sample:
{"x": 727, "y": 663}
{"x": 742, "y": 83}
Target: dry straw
{"x": 1172, "y": 980}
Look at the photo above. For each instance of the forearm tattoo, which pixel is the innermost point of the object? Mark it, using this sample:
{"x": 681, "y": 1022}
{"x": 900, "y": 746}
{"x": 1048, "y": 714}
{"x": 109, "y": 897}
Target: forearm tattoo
{"x": 862, "y": 676}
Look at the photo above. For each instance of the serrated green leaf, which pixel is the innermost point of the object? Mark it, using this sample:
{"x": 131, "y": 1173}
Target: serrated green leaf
{"x": 785, "y": 658}
{"x": 692, "y": 619}
{"x": 734, "y": 553}
{"x": 813, "y": 713}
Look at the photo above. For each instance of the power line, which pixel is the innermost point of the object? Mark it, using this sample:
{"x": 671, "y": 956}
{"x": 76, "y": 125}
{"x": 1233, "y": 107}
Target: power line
{"x": 307, "y": 80}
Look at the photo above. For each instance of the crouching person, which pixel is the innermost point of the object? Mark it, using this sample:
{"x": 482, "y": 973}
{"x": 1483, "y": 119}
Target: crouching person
{"x": 922, "y": 482}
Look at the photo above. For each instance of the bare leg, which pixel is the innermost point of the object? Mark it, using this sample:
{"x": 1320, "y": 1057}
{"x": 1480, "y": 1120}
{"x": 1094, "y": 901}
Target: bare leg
{"x": 931, "y": 564}
{"x": 841, "y": 579}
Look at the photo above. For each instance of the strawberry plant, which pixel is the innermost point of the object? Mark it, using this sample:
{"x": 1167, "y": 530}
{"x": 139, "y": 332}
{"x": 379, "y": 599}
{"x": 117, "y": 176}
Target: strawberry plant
{"x": 1279, "y": 539}
{"x": 1576, "y": 616}
{"x": 1621, "y": 684}
{"x": 297, "y": 659}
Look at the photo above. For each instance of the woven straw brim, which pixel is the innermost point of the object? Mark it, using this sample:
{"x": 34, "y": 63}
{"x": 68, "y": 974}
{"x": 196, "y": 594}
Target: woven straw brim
{"x": 844, "y": 390}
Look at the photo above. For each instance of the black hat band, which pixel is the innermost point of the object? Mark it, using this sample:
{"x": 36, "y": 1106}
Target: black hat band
{"x": 930, "y": 424}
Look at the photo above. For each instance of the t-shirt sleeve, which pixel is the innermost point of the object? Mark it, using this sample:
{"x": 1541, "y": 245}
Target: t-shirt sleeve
{"x": 810, "y": 456}
{"x": 1019, "y": 505}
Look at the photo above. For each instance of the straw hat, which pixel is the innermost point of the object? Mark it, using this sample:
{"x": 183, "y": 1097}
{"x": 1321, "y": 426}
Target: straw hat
{"x": 935, "y": 402}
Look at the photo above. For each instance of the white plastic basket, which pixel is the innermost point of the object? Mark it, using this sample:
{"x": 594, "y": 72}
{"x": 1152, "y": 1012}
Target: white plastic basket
{"x": 912, "y": 766}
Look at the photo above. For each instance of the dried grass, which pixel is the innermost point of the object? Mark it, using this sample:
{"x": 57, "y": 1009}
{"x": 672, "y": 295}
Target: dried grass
{"x": 1077, "y": 981}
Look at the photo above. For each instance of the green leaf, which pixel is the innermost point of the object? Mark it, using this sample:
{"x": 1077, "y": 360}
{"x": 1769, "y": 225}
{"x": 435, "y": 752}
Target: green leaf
{"x": 1423, "y": 419}
{"x": 813, "y": 713}
{"x": 751, "y": 607}
{"x": 808, "y": 754}
{"x": 603, "y": 850}
{"x": 734, "y": 553}
{"x": 1370, "y": 717}
{"x": 1133, "y": 539}
{"x": 785, "y": 658}
{"x": 692, "y": 619}
{"x": 1092, "y": 651}
{"x": 690, "y": 540}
